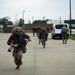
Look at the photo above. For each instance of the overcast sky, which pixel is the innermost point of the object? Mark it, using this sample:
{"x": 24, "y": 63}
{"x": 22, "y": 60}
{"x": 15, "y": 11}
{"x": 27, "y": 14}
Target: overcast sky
{"x": 36, "y": 9}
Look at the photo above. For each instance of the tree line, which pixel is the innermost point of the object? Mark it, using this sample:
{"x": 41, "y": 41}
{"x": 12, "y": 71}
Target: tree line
{"x": 68, "y": 21}
{"x": 5, "y": 21}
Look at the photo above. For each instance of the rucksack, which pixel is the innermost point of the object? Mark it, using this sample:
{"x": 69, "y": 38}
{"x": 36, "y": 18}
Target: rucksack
{"x": 64, "y": 30}
{"x": 18, "y": 38}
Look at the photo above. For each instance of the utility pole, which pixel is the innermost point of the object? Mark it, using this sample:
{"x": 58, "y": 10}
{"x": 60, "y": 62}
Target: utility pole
{"x": 23, "y": 14}
{"x": 32, "y": 19}
{"x": 70, "y": 16}
{"x": 60, "y": 19}
{"x": 16, "y": 22}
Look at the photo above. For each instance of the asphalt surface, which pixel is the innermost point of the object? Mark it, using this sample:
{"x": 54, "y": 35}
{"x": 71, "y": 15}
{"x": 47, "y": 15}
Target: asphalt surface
{"x": 56, "y": 59}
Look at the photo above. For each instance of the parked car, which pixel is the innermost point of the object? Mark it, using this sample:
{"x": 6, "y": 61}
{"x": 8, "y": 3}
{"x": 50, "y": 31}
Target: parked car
{"x": 56, "y": 30}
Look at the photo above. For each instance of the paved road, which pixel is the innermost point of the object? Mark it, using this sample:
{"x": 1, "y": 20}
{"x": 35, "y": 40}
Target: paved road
{"x": 55, "y": 59}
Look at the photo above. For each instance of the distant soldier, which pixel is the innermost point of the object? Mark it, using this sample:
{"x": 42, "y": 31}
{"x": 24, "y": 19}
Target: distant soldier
{"x": 64, "y": 34}
{"x": 48, "y": 29}
{"x": 38, "y": 30}
{"x": 34, "y": 30}
{"x": 43, "y": 35}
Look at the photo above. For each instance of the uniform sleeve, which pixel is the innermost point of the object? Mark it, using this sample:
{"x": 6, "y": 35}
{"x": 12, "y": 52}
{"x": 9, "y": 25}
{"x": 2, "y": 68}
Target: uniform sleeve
{"x": 9, "y": 41}
{"x": 26, "y": 36}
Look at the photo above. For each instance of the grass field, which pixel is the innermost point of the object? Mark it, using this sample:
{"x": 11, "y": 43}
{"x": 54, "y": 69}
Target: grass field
{"x": 72, "y": 37}
{"x": 30, "y": 31}
{"x": 26, "y": 31}
{"x": 1, "y": 30}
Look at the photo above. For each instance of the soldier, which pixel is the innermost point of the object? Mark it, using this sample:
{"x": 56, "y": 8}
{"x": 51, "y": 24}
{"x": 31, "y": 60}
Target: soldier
{"x": 43, "y": 35}
{"x": 64, "y": 34}
{"x": 34, "y": 30}
{"x": 38, "y": 30}
{"x": 48, "y": 29}
{"x": 17, "y": 40}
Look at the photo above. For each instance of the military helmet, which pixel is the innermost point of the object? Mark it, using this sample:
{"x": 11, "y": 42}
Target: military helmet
{"x": 15, "y": 29}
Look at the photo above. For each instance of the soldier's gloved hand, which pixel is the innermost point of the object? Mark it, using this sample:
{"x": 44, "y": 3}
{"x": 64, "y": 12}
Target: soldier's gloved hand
{"x": 24, "y": 50}
{"x": 16, "y": 45}
{"x": 12, "y": 45}
{"x": 9, "y": 50}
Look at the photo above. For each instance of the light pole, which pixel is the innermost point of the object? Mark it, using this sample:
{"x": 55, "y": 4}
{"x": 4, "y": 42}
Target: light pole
{"x": 15, "y": 17}
{"x": 23, "y": 15}
{"x": 32, "y": 19}
{"x": 70, "y": 16}
{"x": 16, "y": 20}
{"x": 60, "y": 19}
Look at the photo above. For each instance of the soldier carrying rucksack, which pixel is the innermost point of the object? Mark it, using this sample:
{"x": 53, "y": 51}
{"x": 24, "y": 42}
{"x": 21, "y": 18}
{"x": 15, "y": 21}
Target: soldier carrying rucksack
{"x": 34, "y": 30}
{"x": 64, "y": 34}
{"x": 43, "y": 36}
{"x": 18, "y": 43}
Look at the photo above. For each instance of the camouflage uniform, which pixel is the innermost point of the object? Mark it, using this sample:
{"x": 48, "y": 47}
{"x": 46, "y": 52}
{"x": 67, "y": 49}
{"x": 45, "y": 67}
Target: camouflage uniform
{"x": 17, "y": 54}
{"x": 34, "y": 30}
{"x": 17, "y": 51}
{"x": 64, "y": 34}
{"x": 43, "y": 37}
{"x": 38, "y": 29}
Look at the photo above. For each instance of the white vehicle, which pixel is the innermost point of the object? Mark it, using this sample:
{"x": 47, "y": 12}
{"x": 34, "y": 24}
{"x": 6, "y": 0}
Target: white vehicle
{"x": 56, "y": 31}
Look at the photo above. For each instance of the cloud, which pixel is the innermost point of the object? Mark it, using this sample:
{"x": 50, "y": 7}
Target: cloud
{"x": 37, "y": 8}
{"x": 21, "y": 3}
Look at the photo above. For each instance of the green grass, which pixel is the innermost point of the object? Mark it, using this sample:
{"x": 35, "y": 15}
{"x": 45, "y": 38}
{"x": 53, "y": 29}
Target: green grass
{"x": 28, "y": 31}
{"x": 1, "y": 30}
{"x": 72, "y": 37}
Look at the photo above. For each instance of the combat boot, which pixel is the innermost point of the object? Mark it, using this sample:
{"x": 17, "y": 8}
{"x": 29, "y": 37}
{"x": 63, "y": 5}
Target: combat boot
{"x": 18, "y": 66}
